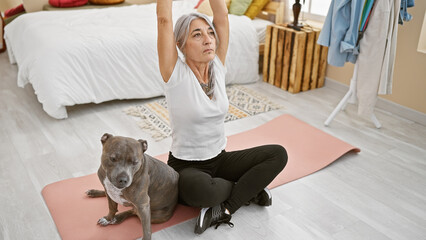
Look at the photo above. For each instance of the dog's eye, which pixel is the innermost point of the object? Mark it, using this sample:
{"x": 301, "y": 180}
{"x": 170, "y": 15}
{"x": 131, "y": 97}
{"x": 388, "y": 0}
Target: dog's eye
{"x": 112, "y": 159}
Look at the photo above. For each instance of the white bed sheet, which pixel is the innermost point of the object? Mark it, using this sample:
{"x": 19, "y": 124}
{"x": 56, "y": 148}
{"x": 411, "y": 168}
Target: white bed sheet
{"x": 260, "y": 26}
{"x": 97, "y": 55}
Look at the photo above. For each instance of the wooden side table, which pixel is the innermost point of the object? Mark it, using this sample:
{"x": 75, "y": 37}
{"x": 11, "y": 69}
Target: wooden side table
{"x": 292, "y": 59}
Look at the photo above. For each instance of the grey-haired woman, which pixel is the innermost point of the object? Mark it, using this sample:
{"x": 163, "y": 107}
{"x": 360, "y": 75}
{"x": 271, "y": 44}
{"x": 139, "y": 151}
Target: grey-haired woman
{"x": 211, "y": 178}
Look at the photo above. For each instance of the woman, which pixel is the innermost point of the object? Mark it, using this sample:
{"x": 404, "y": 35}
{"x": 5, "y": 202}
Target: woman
{"x": 219, "y": 182}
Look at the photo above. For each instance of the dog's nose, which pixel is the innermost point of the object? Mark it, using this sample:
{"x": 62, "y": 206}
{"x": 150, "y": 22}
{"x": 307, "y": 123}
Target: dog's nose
{"x": 123, "y": 179}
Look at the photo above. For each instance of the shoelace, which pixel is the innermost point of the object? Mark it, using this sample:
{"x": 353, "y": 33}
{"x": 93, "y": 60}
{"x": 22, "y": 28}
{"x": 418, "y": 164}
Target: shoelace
{"x": 216, "y": 215}
{"x": 230, "y": 224}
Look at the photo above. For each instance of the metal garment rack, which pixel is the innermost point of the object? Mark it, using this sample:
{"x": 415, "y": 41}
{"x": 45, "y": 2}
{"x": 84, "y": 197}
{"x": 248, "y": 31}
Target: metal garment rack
{"x": 351, "y": 93}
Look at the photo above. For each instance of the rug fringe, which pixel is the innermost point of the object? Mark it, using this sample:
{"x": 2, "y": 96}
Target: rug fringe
{"x": 150, "y": 128}
{"x": 145, "y": 124}
{"x": 134, "y": 111}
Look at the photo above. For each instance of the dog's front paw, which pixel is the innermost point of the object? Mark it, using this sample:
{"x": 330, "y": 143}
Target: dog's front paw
{"x": 104, "y": 222}
{"x": 93, "y": 193}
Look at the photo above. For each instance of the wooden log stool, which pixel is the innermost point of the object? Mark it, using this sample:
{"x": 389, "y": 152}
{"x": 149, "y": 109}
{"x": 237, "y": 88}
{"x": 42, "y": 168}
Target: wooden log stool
{"x": 292, "y": 59}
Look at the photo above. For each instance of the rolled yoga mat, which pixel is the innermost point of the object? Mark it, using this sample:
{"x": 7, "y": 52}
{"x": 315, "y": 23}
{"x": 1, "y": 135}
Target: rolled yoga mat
{"x": 309, "y": 150}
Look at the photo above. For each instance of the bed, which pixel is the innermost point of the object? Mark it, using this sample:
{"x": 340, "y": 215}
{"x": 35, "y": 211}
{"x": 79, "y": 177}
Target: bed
{"x": 97, "y": 55}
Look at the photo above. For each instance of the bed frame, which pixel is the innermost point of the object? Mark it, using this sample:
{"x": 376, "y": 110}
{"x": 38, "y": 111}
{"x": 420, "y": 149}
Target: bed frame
{"x": 269, "y": 11}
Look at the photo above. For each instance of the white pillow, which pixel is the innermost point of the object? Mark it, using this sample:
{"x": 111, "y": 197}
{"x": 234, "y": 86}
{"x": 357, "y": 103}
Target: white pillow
{"x": 34, "y": 5}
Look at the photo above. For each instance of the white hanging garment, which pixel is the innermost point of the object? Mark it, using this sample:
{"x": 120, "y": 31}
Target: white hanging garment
{"x": 377, "y": 55}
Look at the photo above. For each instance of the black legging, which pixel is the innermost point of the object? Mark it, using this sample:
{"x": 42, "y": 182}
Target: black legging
{"x": 232, "y": 178}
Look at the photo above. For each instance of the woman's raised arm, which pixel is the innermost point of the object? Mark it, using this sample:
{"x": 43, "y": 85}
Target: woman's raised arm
{"x": 221, "y": 24}
{"x": 166, "y": 45}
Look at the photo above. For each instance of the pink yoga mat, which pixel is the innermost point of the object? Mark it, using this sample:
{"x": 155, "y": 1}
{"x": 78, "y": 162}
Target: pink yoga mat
{"x": 76, "y": 215}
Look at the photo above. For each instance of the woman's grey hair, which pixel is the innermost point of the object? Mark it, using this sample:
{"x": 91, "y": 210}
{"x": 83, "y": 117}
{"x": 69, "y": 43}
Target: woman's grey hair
{"x": 181, "y": 36}
{"x": 182, "y": 28}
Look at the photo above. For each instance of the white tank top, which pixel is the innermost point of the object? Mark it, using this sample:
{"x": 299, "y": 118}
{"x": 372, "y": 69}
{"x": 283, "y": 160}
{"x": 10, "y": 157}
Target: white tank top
{"x": 197, "y": 122}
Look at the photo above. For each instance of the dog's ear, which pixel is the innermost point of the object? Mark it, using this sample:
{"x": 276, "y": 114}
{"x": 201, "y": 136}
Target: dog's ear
{"x": 105, "y": 137}
{"x": 144, "y": 144}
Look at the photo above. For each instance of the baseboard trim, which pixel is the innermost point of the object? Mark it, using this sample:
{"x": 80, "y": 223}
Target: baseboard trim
{"x": 384, "y": 104}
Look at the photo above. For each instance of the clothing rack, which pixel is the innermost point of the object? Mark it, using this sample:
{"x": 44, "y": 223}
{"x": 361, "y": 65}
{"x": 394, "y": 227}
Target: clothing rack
{"x": 345, "y": 99}
{"x": 351, "y": 94}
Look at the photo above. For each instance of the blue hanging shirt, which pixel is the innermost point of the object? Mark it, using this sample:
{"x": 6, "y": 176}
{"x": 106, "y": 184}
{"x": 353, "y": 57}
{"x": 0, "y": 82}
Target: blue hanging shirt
{"x": 404, "y": 16}
{"x": 340, "y": 31}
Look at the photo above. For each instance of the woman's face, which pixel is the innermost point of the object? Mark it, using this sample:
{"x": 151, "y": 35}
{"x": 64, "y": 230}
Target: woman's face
{"x": 201, "y": 43}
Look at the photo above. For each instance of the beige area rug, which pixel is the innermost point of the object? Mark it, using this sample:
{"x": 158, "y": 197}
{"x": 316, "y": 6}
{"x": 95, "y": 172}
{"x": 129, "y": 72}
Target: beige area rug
{"x": 153, "y": 117}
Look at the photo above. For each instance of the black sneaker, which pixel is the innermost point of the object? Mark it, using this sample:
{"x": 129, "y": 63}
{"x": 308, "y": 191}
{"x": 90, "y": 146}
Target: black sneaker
{"x": 212, "y": 216}
{"x": 264, "y": 198}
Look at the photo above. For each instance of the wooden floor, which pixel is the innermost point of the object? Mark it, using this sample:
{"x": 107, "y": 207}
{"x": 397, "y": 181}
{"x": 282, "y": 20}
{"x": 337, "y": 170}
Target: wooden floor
{"x": 379, "y": 193}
